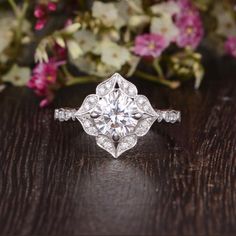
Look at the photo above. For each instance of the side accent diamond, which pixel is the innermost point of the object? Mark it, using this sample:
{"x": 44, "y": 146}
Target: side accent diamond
{"x": 88, "y": 125}
{"x": 89, "y": 103}
{"x": 64, "y": 114}
{"x": 144, "y": 105}
{"x": 107, "y": 144}
{"x": 127, "y": 87}
{"x": 170, "y": 116}
{"x": 144, "y": 125}
{"x": 107, "y": 86}
{"x": 126, "y": 143}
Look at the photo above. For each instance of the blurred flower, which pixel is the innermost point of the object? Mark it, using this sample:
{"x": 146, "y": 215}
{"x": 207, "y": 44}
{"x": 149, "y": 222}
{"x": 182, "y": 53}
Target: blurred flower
{"x": 133, "y": 63}
{"x": 230, "y": 46}
{"x": 86, "y": 40}
{"x": 90, "y": 66}
{"x": 41, "y": 54}
{"x": 190, "y": 26}
{"x": 131, "y": 13}
{"x": 150, "y": 45}
{"x": 103, "y": 69}
{"x": 164, "y": 26}
{"x": 74, "y": 48}
{"x": 226, "y": 25}
{"x": 44, "y": 76}
{"x": 114, "y": 55}
{"x": 86, "y": 64}
{"x": 187, "y": 64}
{"x": 6, "y": 34}
{"x": 106, "y": 12}
{"x": 52, "y": 6}
{"x": 170, "y": 8}
{"x": 41, "y": 12}
{"x": 70, "y": 28}
{"x": 18, "y": 76}
{"x": 109, "y": 35}
{"x": 99, "y": 40}
{"x": 138, "y": 21}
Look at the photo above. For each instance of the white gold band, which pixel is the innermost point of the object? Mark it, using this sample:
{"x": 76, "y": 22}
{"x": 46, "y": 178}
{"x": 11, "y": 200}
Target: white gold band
{"x": 169, "y": 116}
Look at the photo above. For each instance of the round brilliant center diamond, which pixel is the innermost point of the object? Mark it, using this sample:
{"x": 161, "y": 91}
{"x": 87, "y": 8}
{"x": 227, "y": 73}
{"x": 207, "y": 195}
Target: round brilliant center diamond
{"x": 116, "y": 114}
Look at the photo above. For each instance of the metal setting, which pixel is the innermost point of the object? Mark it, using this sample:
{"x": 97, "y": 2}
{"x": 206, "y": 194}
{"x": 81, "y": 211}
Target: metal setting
{"x": 116, "y": 115}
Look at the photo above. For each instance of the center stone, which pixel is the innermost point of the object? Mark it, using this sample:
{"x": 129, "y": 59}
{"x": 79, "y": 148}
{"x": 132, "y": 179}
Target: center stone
{"x": 116, "y": 114}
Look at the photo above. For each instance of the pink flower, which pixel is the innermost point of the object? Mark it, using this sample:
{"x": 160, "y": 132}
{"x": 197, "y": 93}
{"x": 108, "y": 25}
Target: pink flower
{"x": 52, "y": 6}
{"x": 40, "y": 24}
{"x": 41, "y": 12}
{"x": 190, "y": 25}
{"x": 43, "y": 79}
{"x": 150, "y": 45}
{"x": 230, "y": 46}
{"x": 185, "y": 4}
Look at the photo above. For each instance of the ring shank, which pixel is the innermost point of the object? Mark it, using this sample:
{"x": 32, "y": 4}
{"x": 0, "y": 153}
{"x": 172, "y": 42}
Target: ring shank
{"x": 169, "y": 116}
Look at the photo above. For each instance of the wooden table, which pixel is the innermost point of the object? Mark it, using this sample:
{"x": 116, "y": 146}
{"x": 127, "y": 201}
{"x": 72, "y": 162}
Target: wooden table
{"x": 178, "y": 180}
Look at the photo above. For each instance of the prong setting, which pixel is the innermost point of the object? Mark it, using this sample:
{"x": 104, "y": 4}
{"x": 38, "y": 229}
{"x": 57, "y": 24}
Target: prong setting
{"x": 94, "y": 115}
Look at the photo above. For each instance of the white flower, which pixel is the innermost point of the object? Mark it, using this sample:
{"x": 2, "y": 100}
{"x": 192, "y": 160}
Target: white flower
{"x": 86, "y": 40}
{"x": 165, "y": 26}
{"x": 138, "y": 20}
{"x": 110, "y": 35}
{"x": 106, "y": 12}
{"x": 18, "y": 76}
{"x": 6, "y": 21}
{"x": 171, "y": 8}
{"x": 135, "y": 6}
{"x": 88, "y": 65}
{"x": 114, "y": 55}
{"x": 123, "y": 9}
{"x": 3, "y": 57}
{"x": 73, "y": 48}
{"x": 41, "y": 52}
{"x": 226, "y": 23}
{"x": 85, "y": 64}
{"x": 104, "y": 70}
{"x": 133, "y": 63}
{"x": 72, "y": 28}
{"x": 126, "y": 10}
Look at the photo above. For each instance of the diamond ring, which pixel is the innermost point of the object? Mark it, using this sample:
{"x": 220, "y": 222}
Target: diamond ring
{"x": 116, "y": 115}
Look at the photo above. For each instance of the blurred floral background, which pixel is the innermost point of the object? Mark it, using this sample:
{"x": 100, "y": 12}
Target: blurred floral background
{"x": 46, "y": 45}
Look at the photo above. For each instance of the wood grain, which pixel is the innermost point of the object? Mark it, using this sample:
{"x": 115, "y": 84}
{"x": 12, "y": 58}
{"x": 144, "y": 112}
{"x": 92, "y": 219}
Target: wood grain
{"x": 178, "y": 180}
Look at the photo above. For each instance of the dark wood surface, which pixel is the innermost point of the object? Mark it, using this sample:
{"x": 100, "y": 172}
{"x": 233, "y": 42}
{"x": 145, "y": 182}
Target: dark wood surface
{"x": 178, "y": 180}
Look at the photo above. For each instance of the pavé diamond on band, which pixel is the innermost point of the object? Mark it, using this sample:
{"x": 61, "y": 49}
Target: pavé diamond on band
{"x": 116, "y": 115}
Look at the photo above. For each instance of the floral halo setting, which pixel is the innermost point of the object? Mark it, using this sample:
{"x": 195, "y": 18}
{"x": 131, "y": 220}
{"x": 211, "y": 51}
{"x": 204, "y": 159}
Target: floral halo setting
{"x": 116, "y": 115}
{"x": 131, "y": 37}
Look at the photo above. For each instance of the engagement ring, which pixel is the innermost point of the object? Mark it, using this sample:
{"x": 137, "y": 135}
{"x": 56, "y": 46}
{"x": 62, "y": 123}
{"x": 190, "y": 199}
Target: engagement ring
{"x": 116, "y": 115}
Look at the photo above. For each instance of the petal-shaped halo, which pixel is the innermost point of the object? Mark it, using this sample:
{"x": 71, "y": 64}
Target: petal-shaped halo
{"x": 126, "y": 143}
{"x": 125, "y": 86}
{"x": 144, "y": 125}
{"x": 144, "y": 105}
{"x": 98, "y": 109}
{"x": 88, "y": 125}
{"x": 107, "y": 144}
{"x": 88, "y": 104}
{"x": 106, "y": 86}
